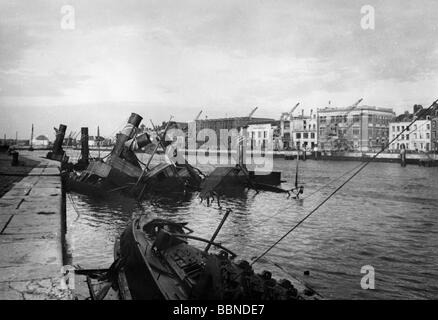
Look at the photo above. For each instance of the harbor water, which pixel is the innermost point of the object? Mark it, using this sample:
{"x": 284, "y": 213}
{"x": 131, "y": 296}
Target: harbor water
{"x": 385, "y": 217}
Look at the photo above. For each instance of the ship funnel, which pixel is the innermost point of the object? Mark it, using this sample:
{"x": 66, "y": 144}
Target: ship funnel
{"x": 127, "y": 133}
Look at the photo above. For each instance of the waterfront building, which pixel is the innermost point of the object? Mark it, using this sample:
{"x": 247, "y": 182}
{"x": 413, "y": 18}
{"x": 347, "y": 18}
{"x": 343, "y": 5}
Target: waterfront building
{"x": 434, "y": 134}
{"x": 264, "y": 135}
{"x": 361, "y": 128}
{"x": 40, "y": 141}
{"x": 218, "y": 127}
{"x": 299, "y": 131}
{"x": 92, "y": 141}
{"x": 421, "y": 136}
{"x": 416, "y": 138}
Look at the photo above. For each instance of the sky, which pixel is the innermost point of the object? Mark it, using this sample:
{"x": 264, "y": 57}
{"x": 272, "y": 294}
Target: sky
{"x": 162, "y": 58}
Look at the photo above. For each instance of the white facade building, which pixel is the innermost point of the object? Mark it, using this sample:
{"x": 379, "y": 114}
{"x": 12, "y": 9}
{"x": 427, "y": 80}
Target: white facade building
{"x": 417, "y": 138}
{"x": 261, "y": 136}
{"x": 92, "y": 141}
{"x": 40, "y": 141}
{"x": 300, "y": 132}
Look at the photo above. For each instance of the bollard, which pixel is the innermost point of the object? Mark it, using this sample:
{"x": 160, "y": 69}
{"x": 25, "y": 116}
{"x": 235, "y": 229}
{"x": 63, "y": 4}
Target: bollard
{"x": 14, "y": 161}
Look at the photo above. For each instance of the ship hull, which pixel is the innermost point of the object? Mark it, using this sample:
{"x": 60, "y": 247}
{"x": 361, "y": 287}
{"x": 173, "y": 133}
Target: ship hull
{"x": 159, "y": 266}
{"x": 138, "y": 273}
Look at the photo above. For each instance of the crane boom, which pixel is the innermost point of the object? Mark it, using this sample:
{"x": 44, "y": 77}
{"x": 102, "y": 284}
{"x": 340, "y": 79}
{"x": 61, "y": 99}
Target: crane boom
{"x": 339, "y": 134}
{"x": 199, "y": 114}
{"x": 252, "y": 112}
{"x": 352, "y": 107}
{"x": 293, "y": 109}
{"x": 286, "y": 115}
{"x": 357, "y": 103}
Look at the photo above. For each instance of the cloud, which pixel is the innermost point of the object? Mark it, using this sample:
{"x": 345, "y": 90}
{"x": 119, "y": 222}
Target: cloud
{"x": 219, "y": 56}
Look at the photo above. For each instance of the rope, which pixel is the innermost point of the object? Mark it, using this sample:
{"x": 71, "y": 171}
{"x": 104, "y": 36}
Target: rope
{"x": 340, "y": 187}
{"x": 331, "y": 181}
{"x": 109, "y": 153}
{"x": 313, "y": 193}
{"x": 74, "y": 206}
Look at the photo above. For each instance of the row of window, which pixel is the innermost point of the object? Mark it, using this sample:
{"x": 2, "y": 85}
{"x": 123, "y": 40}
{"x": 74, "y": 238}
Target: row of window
{"x": 420, "y": 136}
{"x": 356, "y": 131}
{"x": 305, "y": 135}
{"x": 259, "y": 134}
{"x": 286, "y": 126}
{"x": 356, "y": 118}
{"x": 401, "y": 128}
{"x": 420, "y": 146}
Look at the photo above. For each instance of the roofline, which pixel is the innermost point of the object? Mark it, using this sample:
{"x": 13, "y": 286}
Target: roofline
{"x": 369, "y": 108}
{"x": 236, "y": 118}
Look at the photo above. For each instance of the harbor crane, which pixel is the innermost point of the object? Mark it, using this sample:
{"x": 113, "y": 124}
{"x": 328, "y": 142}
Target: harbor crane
{"x": 334, "y": 127}
{"x": 354, "y": 105}
{"x": 292, "y": 110}
{"x": 199, "y": 114}
{"x": 252, "y": 112}
{"x": 70, "y": 138}
{"x": 286, "y": 115}
{"x": 338, "y": 137}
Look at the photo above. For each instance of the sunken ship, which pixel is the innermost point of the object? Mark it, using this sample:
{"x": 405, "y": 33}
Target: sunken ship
{"x": 122, "y": 172}
{"x": 155, "y": 260}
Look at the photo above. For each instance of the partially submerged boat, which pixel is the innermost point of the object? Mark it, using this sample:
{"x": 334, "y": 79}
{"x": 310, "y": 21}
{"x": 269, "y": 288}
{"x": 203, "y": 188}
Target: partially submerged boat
{"x": 122, "y": 171}
{"x": 229, "y": 181}
{"x": 157, "y": 260}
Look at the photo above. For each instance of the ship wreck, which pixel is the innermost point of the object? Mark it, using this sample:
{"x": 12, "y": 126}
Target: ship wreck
{"x": 121, "y": 171}
{"x": 154, "y": 260}
{"x": 233, "y": 180}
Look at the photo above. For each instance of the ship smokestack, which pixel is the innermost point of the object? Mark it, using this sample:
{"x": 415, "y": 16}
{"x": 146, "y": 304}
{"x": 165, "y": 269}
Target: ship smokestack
{"x": 85, "y": 151}
{"x": 60, "y": 134}
{"x": 57, "y": 152}
{"x": 138, "y": 142}
{"x": 127, "y": 133}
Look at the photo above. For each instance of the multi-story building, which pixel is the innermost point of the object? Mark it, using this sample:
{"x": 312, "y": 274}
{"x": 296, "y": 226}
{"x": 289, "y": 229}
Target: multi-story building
{"x": 422, "y": 135}
{"x": 361, "y": 128}
{"x": 434, "y": 134}
{"x": 261, "y": 135}
{"x": 395, "y": 128}
{"x": 300, "y": 131}
{"x": 217, "y": 129}
{"x": 415, "y": 138}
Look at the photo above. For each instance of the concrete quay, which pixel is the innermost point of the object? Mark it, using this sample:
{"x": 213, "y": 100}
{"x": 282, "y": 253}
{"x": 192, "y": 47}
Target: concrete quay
{"x": 32, "y": 231}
